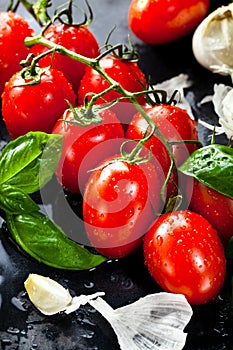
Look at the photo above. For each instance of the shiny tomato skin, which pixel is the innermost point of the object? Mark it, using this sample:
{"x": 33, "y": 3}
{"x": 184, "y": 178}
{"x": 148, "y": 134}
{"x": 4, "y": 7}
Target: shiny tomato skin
{"x": 117, "y": 206}
{"x": 85, "y": 147}
{"x": 126, "y": 73}
{"x": 214, "y": 206}
{"x": 35, "y": 107}
{"x": 78, "y": 39}
{"x": 13, "y": 30}
{"x": 174, "y": 123}
{"x": 164, "y": 21}
{"x": 184, "y": 254}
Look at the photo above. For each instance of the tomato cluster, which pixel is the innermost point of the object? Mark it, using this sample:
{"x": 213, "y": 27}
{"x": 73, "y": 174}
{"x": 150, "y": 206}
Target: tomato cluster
{"x": 129, "y": 185}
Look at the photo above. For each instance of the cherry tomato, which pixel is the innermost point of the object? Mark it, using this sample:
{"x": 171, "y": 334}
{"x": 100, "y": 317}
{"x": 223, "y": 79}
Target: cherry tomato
{"x": 126, "y": 73}
{"x": 13, "y": 30}
{"x": 75, "y": 38}
{"x": 184, "y": 255}
{"x": 164, "y": 21}
{"x": 174, "y": 123}
{"x": 85, "y": 146}
{"x": 35, "y": 107}
{"x": 119, "y": 203}
{"x": 214, "y": 206}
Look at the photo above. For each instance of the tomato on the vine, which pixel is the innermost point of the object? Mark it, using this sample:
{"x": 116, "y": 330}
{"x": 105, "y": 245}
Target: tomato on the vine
{"x": 85, "y": 146}
{"x": 214, "y": 206}
{"x": 184, "y": 255}
{"x": 174, "y": 123}
{"x": 77, "y": 38}
{"x": 126, "y": 73}
{"x": 164, "y": 21}
{"x": 120, "y": 202}
{"x": 35, "y": 107}
{"x": 13, "y": 30}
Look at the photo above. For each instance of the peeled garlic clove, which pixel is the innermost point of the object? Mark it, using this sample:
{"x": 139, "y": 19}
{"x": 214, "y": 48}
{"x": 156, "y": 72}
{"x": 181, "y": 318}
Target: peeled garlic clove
{"x": 47, "y": 295}
{"x": 155, "y": 322}
{"x": 212, "y": 41}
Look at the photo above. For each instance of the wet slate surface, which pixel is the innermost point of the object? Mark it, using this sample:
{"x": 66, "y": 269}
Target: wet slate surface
{"x": 22, "y": 327}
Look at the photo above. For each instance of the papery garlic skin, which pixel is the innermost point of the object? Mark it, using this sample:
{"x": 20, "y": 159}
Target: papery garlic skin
{"x": 223, "y": 105}
{"x": 156, "y": 321}
{"x": 212, "y": 41}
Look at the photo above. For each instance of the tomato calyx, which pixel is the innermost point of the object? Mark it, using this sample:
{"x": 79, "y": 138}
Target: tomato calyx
{"x": 31, "y": 72}
{"x": 68, "y": 13}
{"x": 121, "y": 51}
{"x": 86, "y": 115}
{"x": 155, "y": 97}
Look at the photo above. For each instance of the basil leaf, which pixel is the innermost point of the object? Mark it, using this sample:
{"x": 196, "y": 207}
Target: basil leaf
{"x": 29, "y": 161}
{"x": 213, "y": 166}
{"x": 47, "y": 243}
{"x": 14, "y": 200}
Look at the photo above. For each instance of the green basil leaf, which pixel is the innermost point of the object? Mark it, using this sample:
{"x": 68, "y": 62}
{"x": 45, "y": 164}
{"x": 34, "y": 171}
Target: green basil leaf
{"x": 213, "y": 166}
{"x": 13, "y": 200}
{"x": 47, "y": 243}
{"x": 29, "y": 161}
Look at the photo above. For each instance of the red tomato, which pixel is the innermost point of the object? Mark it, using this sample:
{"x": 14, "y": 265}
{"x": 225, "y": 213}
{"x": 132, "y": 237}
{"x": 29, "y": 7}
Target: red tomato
{"x": 117, "y": 206}
{"x": 13, "y": 30}
{"x": 85, "y": 147}
{"x": 75, "y": 38}
{"x": 35, "y": 107}
{"x": 126, "y": 73}
{"x": 174, "y": 123}
{"x": 164, "y": 21}
{"x": 214, "y": 206}
{"x": 184, "y": 255}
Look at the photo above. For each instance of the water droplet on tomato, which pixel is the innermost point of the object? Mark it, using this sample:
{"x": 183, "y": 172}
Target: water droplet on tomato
{"x": 159, "y": 240}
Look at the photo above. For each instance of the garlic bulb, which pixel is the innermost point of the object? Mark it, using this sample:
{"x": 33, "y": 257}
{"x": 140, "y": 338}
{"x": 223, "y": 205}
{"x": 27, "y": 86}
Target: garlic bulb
{"x": 212, "y": 41}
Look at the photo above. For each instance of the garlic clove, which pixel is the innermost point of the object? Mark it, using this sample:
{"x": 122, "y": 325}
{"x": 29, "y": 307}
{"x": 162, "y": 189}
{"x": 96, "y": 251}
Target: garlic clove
{"x": 154, "y": 322}
{"x": 212, "y": 41}
{"x": 50, "y": 297}
{"x": 47, "y": 295}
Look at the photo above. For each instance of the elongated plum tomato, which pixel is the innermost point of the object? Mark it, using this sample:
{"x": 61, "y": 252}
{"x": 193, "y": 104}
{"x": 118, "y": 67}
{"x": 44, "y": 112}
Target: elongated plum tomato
{"x": 13, "y": 30}
{"x": 126, "y": 73}
{"x": 184, "y": 255}
{"x": 164, "y": 21}
{"x": 119, "y": 204}
{"x": 78, "y": 39}
{"x": 35, "y": 107}
{"x": 214, "y": 206}
{"x": 84, "y": 147}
